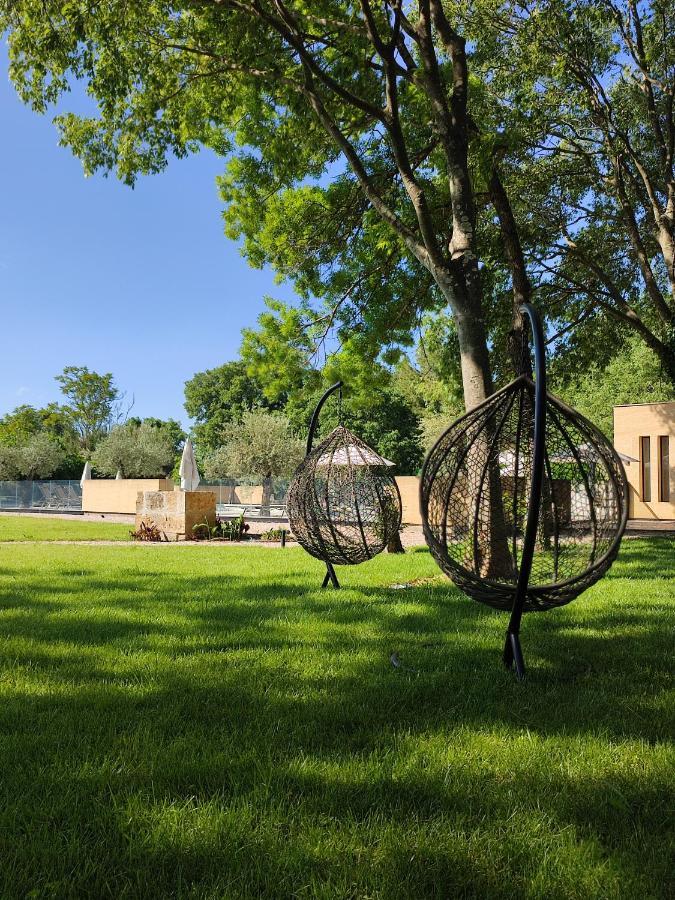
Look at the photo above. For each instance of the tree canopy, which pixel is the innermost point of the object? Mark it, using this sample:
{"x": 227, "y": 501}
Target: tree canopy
{"x": 261, "y": 444}
{"x": 92, "y": 403}
{"x": 581, "y": 101}
{"x": 446, "y": 157}
{"x": 373, "y": 211}
{"x": 216, "y": 397}
{"x": 136, "y": 450}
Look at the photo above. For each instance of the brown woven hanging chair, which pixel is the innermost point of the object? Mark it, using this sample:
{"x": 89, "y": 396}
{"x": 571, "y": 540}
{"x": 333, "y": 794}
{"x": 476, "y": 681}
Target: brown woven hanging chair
{"x": 475, "y": 495}
{"x": 343, "y": 504}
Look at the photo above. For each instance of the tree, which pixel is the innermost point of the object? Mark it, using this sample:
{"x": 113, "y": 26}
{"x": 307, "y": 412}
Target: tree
{"x": 372, "y": 98}
{"x": 170, "y": 427}
{"x": 93, "y": 403}
{"x": 261, "y": 444}
{"x": 138, "y": 451}
{"x": 40, "y": 457}
{"x": 634, "y": 375}
{"x": 430, "y": 383}
{"x": 37, "y": 457}
{"x": 9, "y": 463}
{"x": 19, "y": 428}
{"x": 586, "y": 143}
{"x": 216, "y": 397}
{"x": 278, "y": 354}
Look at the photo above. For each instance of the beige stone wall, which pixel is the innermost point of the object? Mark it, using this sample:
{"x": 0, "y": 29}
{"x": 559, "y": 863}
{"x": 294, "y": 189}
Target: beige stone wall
{"x": 104, "y": 495}
{"x": 175, "y": 513}
{"x": 409, "y": 486}
{"x": 646, "y": 420}
{"x": 242, "y": 493}
{"x": 101, "y": 495}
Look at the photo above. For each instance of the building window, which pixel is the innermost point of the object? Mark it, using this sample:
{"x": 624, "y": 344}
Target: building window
{"x": 645, "y": 470}
{"x": 664, "y": 469}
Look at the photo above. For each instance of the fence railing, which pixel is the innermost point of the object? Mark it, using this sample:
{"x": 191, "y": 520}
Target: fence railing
{"x": 56, "y": 495}
{"x": 246, "y": 491}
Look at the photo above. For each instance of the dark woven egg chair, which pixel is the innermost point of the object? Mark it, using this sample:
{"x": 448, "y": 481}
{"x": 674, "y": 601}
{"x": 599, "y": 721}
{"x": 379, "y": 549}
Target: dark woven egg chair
{"x": 524, "y": 502}
{"x": 343, "y": 503}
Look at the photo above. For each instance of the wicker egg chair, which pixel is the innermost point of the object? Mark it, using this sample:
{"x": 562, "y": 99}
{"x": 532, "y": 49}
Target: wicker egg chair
{"x": 524, "y": 502}
{"x": 343, "y": 503}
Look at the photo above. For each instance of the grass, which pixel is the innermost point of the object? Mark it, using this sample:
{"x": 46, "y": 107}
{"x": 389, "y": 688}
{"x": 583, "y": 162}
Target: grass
{"x": 44, "y": 528}
{"x": 209, "y": 723}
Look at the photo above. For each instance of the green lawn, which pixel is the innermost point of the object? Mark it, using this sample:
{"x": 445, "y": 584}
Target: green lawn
{"x": 43, "y": 528}
{"x": 208, "y": 723}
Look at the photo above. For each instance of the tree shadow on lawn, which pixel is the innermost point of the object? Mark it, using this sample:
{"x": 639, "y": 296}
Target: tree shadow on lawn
{"x": 338, "y": 752}
{"x": 581, "y": 680}
{"x": 275, "y": 708}
{"x": 443, "y": 635}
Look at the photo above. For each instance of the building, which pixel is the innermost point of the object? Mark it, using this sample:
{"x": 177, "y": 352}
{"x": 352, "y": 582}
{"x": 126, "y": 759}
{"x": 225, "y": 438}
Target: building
{"x": 644, "y": 434}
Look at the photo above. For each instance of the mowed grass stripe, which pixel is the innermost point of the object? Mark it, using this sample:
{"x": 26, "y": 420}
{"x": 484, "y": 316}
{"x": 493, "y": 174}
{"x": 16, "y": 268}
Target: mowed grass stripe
{"x": 45, "y": 528}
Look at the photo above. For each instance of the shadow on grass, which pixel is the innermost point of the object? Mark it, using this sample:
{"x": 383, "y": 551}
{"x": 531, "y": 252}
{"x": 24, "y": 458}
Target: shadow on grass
{"x": 251, "y": 739}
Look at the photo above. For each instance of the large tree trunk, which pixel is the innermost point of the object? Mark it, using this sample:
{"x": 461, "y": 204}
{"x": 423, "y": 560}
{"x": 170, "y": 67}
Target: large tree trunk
{"x": 495, "y": 561}
{"x": 474, "y": 356}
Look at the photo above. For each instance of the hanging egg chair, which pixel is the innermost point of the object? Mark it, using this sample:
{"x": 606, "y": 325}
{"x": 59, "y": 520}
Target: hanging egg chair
{"x": 523, "y": 500}
{"x": 343, "y": 503}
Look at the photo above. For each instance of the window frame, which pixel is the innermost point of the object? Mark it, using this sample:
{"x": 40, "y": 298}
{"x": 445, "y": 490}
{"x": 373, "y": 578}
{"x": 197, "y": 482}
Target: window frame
{"x": 662, "y": 441}
{"x": 646, "y": 468}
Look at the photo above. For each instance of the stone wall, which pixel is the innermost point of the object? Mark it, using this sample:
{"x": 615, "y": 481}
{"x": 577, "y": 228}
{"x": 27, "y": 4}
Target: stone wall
{"x": 109, "y": 495}
{"x": 409, "y": 488}
{"x": 175, "y": 513}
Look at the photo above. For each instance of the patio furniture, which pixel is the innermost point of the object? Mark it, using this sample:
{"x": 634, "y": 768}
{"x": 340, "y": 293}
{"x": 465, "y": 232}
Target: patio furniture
{"x": 491, "y": 514}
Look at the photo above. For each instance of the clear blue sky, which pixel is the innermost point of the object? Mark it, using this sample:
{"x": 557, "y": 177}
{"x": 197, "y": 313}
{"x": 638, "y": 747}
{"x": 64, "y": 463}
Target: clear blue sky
{"x": 94, "y": 273}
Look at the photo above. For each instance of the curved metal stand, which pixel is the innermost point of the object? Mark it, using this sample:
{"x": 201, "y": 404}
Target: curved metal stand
{"x": 513, "y": 655}
{"x": 330, "y": 577}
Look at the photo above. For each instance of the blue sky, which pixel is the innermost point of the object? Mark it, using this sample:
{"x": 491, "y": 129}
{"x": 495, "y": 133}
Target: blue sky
{"x": 94, "y": 273}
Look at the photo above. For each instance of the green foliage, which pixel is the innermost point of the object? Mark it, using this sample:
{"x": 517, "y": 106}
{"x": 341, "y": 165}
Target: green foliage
{"x": 170, "y": 427}
{"x": 281, "y": 350}
{"x": 585, "y": 117}
{"x": 233, "y": 529}
{"x": 432, "y": 387}
{"x": 17, "y": 427}
{"x": 634, "y": 375}
{"x": 219, "y": 396}
{"x": 261, "y": 444}
{"x": 272, "y": 535}
{"x": 224, "y": 529}
{"x": 9, "y": 463}
{"x": 166, "y": 81}
{"x": 138, "y": 451}
{"x": 38, "y": 456}
{"x": 277, "y": 352}
{"x": 93, "y": 403}
{"x": 44, "y": 435}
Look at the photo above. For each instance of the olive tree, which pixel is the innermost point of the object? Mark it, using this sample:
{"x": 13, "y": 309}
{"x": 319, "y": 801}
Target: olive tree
{"x": 262, "y": 444}
{"x": 137, "y": 451}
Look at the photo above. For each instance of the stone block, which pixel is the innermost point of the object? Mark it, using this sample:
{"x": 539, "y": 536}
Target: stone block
{"x": 175, "y": 513}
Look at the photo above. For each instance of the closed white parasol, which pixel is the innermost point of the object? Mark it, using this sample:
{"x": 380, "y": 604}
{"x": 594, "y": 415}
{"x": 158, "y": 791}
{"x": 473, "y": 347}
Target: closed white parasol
{"x": 86, "y": 473}
{"x": 189, "y": 474}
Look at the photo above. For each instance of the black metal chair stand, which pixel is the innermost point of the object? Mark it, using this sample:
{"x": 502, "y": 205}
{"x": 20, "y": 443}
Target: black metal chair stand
{"x": 524, "y": 502}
